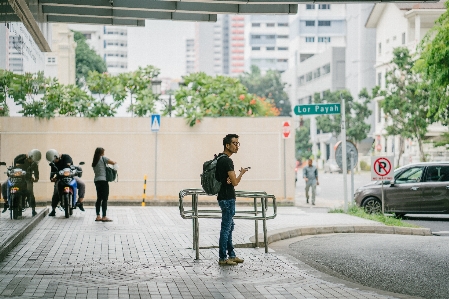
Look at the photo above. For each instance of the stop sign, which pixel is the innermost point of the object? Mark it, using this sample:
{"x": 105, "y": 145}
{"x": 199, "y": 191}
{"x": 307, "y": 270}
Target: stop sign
{"x": 286, "y": 129}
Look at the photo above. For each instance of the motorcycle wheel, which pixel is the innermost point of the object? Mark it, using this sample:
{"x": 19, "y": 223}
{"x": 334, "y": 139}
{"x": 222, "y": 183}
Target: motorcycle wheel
{"x": 15, "y": 209}
{"x": 70, "y": 206}
{"x": 66, "y": 206}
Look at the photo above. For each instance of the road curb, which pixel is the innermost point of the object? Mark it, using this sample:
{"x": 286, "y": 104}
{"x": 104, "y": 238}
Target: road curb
{"x": 12, "y": 241}
{"x": 279, "y": 235}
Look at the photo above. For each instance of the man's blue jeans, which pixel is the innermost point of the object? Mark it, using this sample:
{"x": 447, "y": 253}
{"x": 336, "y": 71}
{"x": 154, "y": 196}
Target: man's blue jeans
{"x": 227, "y": 226}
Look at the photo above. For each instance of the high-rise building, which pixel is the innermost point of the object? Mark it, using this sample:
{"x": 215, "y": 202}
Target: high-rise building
{"x": 267, "y": 42}
{"x": 190, "y": 55}
{"x": 110, "y": 42}
{"x": 236, "y": 45}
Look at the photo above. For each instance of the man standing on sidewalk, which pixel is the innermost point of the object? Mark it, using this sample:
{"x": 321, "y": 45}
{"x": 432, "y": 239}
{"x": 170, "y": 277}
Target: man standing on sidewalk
{"x": 311, "y": 177}
{"x": 225, "y": 174}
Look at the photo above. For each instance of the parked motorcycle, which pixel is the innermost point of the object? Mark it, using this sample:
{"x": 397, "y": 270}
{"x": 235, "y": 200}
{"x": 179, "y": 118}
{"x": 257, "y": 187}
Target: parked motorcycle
{"x": 67, "y": 187}
{"x": 16, "y": 190}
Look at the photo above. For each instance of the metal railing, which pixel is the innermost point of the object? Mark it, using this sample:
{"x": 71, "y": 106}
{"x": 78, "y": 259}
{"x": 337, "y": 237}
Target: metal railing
{"x": 255, "y": 214}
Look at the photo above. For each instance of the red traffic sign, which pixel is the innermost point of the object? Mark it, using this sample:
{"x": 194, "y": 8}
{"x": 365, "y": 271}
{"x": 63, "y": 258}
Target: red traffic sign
{"x": 286, "y": 129}
{"x": 381, "y": 168}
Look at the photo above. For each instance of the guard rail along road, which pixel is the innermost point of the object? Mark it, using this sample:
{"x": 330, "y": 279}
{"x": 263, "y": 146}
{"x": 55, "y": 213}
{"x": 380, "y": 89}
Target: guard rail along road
{"x": 259, "y": 211}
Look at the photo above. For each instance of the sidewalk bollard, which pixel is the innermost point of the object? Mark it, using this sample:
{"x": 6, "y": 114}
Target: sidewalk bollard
{"x": 144, "y": 189}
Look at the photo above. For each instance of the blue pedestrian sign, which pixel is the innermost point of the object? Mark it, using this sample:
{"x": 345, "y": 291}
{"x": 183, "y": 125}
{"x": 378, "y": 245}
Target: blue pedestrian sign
{"x": 155, "y": 122}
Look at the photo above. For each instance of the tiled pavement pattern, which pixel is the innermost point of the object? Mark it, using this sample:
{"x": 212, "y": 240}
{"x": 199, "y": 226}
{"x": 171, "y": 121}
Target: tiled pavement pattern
{"x": 146, "y": 253}
{"x": 10, "y": 227}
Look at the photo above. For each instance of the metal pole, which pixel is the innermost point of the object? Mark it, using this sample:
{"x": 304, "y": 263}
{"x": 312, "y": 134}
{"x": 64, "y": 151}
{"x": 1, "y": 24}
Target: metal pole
{"x": 285, "y": 173}
{"x": 144, "y": 189}
{"x": 264, "y": 225}
{"x": 193, "y": 221}
{"x": 383, "y": 206}
{"x": 343, "y": 149}
{"x": 155, "y": 168}
{"x": 352, "y": 176}
{"x": 256, "y": 225}
{"x": 197, "y": 230}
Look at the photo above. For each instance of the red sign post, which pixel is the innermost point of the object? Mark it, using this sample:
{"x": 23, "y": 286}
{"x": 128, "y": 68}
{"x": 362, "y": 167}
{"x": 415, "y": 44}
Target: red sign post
{"x": 286, "y": 129}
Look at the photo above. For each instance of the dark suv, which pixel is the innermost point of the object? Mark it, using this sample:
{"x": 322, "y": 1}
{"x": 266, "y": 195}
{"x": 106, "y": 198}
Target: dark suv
{"x": 420, "y": 188}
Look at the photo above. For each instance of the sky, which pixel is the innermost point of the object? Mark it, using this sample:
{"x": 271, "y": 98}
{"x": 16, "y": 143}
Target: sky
{"x": 160, "y": 43}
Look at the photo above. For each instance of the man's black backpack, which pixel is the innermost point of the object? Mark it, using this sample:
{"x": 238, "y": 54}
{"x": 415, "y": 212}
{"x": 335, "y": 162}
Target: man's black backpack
{"x": 208, "y": 181}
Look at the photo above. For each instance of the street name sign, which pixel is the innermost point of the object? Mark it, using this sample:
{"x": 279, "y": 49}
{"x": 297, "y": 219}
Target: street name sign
{"x": 382, "y": 169}
{"x": 155, "y": 122}
{"x": 286, "y": 129}
{"x": 311, "y": 109}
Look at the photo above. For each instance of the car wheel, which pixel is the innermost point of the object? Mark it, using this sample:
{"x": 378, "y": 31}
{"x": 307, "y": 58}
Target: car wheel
{"x": 372, "y": 205}
{"x": 399, "y": 215}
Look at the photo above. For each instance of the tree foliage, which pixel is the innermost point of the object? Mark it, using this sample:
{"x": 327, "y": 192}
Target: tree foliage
{"x": 267, "y": 86}
{"x": 302, "y": 141}
{"x": 357, "y": 111}
{"x": 86, "y": 59}
{"x": 405, "y": 101}
{"x": 433, "y": 65}
{"x": 205, "y": 95}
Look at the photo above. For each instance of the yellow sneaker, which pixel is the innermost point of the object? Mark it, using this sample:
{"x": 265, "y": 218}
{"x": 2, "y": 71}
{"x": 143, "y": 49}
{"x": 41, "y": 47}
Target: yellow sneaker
{"x": 227, "y": 262}
{"x": 236, "y": 260}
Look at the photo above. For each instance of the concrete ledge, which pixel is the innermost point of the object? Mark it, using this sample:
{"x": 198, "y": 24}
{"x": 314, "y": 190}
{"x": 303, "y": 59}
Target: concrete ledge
{"x": 12, "y": 241}
{"x": 342, "y": 229}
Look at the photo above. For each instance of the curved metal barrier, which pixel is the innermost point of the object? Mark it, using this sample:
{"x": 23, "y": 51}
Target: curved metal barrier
{"x": 254, "y": 214}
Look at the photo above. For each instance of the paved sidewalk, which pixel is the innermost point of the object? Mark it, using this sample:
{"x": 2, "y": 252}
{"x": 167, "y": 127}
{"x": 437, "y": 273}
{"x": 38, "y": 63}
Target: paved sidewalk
{"x": 146, "y": 253}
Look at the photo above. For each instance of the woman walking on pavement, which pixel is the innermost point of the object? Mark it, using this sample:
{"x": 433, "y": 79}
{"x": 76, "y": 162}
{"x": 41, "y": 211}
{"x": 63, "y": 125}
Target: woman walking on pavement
{"x": 101, "y": 184}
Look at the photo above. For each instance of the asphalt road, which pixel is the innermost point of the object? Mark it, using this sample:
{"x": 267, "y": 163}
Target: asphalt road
{"x": 410, "y": 265}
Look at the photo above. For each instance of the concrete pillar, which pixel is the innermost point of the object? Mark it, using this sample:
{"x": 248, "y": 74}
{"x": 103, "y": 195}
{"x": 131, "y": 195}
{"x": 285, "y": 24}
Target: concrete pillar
{"x": 417, "y": 28}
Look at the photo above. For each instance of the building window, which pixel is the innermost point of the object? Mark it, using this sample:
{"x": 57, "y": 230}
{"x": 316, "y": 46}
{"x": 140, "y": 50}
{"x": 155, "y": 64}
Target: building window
{"x": 379, "y": 112}
{"x": 282, "y": 36}
{"x": 283, "y": 48}
{"x": 316, "y": 73}
{"x": 255, "y": 48}
{"x": 270, "y": 24}
{"x": 51, "y": 60}
{"x": 301, "y": 80}
{"x": 324, "y": 39}
{"x": 380, "y": 48}
{"x": 282, "y": 60}
{"x": 270, "y": 48}
{"x": 256, "y": 36}
{"x": 310, "y": 6}
{"x": 388, "y": 40}
{"x": 326, "y": 68}
{"x": 255, "y": 25}
{"x": 324, "y": 6}
{"x": 310, "y": 39}
{"x": 324, "y": 23}
{"x": 271, "y": 36}
{"x": 282, "y": 24}
{"x": 310, "y": 23}
{"x": 394, "y": 37}
{"x": 379, "y": 79}
{"x": 403, "y": 38}
{"x": 309, "y": 77}
{"x": 87, "y": 35}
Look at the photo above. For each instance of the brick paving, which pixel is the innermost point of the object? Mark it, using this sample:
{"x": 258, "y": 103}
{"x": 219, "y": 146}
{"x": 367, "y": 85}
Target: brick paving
{"x": 8, "y": 227}
{"x": 146, "y": 253}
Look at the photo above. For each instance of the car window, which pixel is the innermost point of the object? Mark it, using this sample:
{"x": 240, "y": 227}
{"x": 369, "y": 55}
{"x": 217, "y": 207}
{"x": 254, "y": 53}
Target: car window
{"x": 411, "y": 175}
{"x": 437, "y": 173}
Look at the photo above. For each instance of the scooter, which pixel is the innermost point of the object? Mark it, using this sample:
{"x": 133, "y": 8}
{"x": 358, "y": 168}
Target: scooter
{"x": 16, "y": 190}
{"x": 67, "y": 187}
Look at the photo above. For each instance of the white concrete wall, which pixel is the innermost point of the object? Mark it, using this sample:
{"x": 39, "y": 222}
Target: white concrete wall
{"x": 181, "y": 152}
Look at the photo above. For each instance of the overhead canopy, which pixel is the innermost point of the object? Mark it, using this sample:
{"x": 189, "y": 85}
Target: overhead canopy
{"x": 134, "y": 12}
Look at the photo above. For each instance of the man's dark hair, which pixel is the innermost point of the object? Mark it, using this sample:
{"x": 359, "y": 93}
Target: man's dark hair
{"x": 228, "y": 139}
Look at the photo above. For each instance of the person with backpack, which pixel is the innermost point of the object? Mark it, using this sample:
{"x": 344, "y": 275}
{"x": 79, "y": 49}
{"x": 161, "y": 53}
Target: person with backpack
{"x": 101, "y": 183}
{"x": 225, "y": 174}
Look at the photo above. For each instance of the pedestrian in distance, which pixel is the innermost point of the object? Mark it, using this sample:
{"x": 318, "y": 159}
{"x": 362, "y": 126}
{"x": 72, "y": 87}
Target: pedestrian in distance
{"x": 101, "y": 183}
{"x": 310, "y": 175}
{"x": 225, "y": 174}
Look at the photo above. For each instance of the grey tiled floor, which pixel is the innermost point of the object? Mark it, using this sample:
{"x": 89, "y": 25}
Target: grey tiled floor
{"x": 146, "y": 252}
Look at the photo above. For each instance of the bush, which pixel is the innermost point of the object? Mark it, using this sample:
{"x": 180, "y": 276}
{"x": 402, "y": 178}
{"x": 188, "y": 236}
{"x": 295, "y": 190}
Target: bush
{"x": 365, "y": 166}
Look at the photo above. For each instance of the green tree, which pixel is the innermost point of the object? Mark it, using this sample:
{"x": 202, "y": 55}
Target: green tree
{"x": 357, "y": 111}
{"x": 302, "y": 141}
{"x": 86, "y": 59}
{"x": 267, "y": 86}
{"x": 405, "y": 101}
{"x": 217, "y": 96}
{"x": 433, "y": 65}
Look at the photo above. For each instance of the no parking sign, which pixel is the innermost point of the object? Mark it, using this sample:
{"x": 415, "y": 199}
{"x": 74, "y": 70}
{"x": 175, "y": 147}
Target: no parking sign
{"x": 382, "y": 168}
